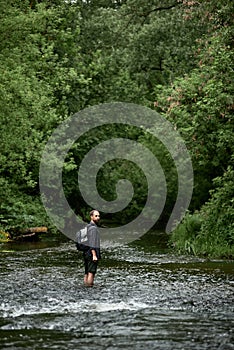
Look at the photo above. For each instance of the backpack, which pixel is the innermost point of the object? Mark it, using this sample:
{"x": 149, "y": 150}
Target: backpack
{"x": 82, "y": 240}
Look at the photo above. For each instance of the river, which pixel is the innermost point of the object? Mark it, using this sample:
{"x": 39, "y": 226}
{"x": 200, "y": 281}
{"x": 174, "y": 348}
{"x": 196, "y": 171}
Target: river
{"x": 144, "y": 298}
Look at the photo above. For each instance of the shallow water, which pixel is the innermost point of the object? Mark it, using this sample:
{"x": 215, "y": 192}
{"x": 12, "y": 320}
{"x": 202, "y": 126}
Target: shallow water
{"x": 144, "y": 298}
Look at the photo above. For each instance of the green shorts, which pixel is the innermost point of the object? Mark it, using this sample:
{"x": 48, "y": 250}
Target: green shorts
{"x": 90, "y": 265}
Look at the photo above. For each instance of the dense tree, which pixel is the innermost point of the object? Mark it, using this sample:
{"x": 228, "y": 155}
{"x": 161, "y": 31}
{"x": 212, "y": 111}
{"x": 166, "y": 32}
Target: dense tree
{"x": 201, "y": 106}
{"x": 141, "y": 44}
{"x": 37, "y": 49}
{"x": 58, "y": 57}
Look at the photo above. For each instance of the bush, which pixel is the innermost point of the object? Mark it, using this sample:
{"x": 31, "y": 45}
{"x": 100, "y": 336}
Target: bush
{"x": 19, "y": 210}
{"x": 217, "y": 231}
{"x": 211, "y": 231}
{"x": 184, "y": 236}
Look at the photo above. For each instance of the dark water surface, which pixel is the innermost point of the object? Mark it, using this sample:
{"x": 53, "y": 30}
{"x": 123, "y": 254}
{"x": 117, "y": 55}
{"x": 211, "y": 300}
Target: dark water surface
{"x": 144, "y": 298}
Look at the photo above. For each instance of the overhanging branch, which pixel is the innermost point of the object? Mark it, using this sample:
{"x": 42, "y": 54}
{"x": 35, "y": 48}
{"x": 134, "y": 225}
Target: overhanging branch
{"x": 146, "y": 14}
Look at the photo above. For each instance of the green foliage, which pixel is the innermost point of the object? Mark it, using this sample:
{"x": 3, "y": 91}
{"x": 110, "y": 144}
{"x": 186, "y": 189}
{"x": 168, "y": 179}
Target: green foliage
{"x": 58, "y": 57}
{"x": 211, "y": 231}
{"x": 137, "y": 45}
{"x": 115, "y": 170}
{"x": 40, "y": 62}
{"x": 19, "y": 210}
{"x": 200, "y": 105}
{"x": 184, "y": 236}
{"x": 142, "y": 44}
{"x": 30, "y": 71}
{"x": 4, "y": 236}
{"x": 217, "y": 231}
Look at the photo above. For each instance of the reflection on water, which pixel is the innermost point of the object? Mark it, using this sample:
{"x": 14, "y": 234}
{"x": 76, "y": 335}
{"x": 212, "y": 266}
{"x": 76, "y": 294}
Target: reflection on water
{"x": 142, "y": 300}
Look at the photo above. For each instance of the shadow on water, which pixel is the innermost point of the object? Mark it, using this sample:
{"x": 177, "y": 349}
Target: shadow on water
{"x": 144, "y": 298}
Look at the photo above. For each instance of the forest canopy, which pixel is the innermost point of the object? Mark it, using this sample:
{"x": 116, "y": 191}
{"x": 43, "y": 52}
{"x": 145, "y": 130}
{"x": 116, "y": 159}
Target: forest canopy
{"x": 176, "y": 57}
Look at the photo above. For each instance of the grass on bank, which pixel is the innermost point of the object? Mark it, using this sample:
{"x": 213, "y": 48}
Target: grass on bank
{"x": 192, "y": 237}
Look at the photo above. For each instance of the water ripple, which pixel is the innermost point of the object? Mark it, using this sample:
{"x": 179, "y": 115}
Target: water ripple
{"x": 140, "y": 300}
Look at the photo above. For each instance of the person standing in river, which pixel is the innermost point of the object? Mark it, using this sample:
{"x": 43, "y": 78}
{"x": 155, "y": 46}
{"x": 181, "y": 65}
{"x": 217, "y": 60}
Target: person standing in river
{"x": 92, "y": 255}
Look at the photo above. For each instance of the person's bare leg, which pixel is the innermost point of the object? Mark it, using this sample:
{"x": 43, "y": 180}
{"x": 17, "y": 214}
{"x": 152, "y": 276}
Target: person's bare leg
{"x": 85, "y": 278}
{"x": 90, "y": 279}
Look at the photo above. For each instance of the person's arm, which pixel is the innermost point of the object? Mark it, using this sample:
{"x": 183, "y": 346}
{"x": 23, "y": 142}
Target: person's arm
{"x": 93, "y": 242}
{"x": 94, "y": 255}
